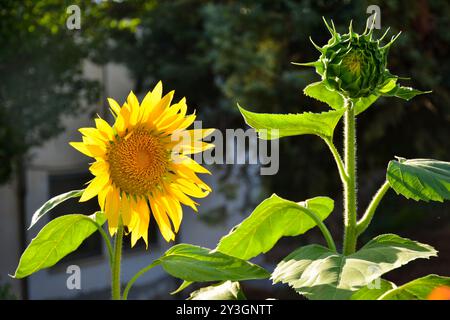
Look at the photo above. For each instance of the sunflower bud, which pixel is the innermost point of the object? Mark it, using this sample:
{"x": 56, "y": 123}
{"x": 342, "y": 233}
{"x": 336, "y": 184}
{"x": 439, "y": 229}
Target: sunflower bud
{"x": 354, "y": 64}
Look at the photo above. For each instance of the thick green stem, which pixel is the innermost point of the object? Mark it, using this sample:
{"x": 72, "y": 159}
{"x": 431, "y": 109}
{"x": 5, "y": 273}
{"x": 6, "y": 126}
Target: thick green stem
{"x": 350, "y": 196}
{"x": 364, "y": 222}
{"x": 115, "y": 281}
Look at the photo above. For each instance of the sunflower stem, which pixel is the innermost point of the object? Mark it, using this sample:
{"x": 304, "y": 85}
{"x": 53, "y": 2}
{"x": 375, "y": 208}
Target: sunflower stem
{"x": 136, "y": 276}
{"x": 115, "y": 272}
{"x": 364, "y": 222}
{"x": 350, "y": 196}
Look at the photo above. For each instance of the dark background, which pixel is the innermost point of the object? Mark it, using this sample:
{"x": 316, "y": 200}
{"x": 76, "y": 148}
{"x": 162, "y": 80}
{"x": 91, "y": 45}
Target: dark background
{"x": 218, "y": 53}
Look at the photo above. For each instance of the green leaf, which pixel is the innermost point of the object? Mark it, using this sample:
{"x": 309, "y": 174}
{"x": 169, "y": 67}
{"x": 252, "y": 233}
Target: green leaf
{"x": 418, "y": 289}
{"x": 182, "y": 286}
{"x": 57, "y": 239}
{"x": 361, "y": 104}
{"x": 319, "y": 273}
{"x": 406, "y": 93}
{"x": 374, "y": 290}
{"x": 53, "y": 202}
{"x": 420, "y": 179}
{"x": 197, "y": 264}
{"x": 272, "y": 219}
{"x": 319, "y": 91}
{"x": 224, "y": 291}
{"x": 275, "y": 126}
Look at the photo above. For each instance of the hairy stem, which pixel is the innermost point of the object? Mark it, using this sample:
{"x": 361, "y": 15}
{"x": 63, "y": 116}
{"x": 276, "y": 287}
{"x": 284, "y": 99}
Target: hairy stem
{"x": 350, "y": 195}
{"x": 338, "y": 160}
{"x": 364, "y": 222}
{"x": 115, "y": 284}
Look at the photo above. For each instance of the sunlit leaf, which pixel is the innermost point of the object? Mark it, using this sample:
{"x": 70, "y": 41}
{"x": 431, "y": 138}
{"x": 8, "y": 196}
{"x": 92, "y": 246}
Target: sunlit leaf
{"x": 197, "y": 264}
{"x": 406, "y": 93}
{"x": 420, "y": 179}
{"x": 361, "y": 104}
{"x": 374, "y": 290}
{"x": 319, "y": 91}
{"x": 272, "y": 219}
{"x": 319, "y": 273}
{"x": 225, "y": 291}
{"x": 274, "y": 126}
{"x": 57, "y": 239}
{"x": 418, "y": 289}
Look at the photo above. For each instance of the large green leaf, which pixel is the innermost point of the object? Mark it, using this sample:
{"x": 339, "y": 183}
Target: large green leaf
{"x": 197, "y": 264}
{"x": 57, "y": 239}
{"x": 319, "y": 273}
{"x": 420, "y": 179}
{"x": 272, "y": 219}
{"x": 418, "y": 289}
{"x": 319, "y": 91}
{"x": 274, "y": 126}
{"x": 224, "y": 291}
{"x": 373, "y": 292}
{"x": 53, "y": 202}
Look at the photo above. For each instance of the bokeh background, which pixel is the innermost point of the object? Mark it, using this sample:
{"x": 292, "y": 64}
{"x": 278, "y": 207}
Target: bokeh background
{"x": 216, "y": 53}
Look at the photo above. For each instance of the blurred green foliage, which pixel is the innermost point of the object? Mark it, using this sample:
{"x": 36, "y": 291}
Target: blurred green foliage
{"x": 40, "y": 76}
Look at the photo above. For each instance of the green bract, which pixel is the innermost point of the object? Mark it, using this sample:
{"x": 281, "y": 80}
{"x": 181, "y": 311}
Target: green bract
{"x": 355, "y": 65}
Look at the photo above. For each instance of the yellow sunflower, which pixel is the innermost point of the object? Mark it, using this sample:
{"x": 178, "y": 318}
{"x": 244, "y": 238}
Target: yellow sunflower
{"x": 142, "y": 166}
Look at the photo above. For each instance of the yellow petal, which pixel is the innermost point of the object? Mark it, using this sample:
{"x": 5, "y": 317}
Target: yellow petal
{"x": 141, "y": 230}
{"x": 80, "y": 146}
{"x": 194, "y": 147}
{"x": 162, "y": 220}
{"x": 104, "y": 128}
{"x": 102, "y": 197}
{"x": 192, "y": 177}
{"x": 114, "y": 106}
{"x": 150, "y": 101}
{"x": 112, "y": 205}
{"x": 133, "y": 103}
{"x": 199, "y": 134}
{"x": 187, "y": 121}
{"x": 94, "y": 187}
{"x": 173, "y": 207}
{"x": 191, "y": 189}
{"x": 188, "y": 163}
{"x": 89, "y": 141}
{"x": 100, "y": 167}
{"x": 184, "y": 199}
{"x": 160, "y": 107}
{"x": 94, "y": 134}
{"x": 125, "y": 211}
{"x": 122, "y": 119}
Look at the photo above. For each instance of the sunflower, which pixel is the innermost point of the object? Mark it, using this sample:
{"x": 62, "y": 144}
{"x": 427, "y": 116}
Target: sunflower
{"x": 142, "y": 167}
